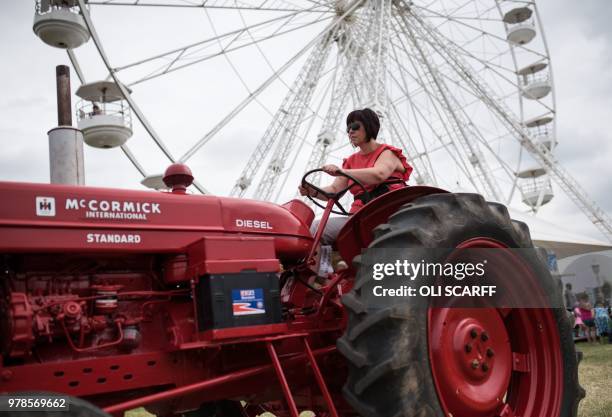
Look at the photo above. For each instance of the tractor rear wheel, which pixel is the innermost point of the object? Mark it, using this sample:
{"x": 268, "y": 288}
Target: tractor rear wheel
{"x": 399, "y": 361}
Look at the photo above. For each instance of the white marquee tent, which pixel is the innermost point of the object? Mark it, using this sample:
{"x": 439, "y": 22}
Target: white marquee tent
{"x": 563, "y": 242}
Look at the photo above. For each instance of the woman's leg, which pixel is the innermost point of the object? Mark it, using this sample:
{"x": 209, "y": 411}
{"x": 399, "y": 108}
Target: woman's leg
{"x": 332, "y": 229}
{"x": 584, "y": 330}
{"x": 330, "y": 233}
{"x": 590, "y": 333}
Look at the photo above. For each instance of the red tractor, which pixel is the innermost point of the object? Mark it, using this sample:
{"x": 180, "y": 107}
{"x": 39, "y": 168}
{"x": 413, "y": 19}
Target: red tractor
{"x": 208, "y": 306}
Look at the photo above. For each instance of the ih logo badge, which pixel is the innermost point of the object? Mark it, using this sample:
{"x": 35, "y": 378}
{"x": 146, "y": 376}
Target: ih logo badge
{"x": 45, "y": 206}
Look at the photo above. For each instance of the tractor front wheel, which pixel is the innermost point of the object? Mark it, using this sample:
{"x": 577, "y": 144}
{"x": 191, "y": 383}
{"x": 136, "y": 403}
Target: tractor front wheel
{"x": 404, "y": 360}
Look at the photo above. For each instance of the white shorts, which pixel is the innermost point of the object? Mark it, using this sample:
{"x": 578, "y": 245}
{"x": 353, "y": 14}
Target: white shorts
{"x": 332, "y": 229}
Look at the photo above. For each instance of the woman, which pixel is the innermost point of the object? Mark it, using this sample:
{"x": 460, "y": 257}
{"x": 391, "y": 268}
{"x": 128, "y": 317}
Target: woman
{"x": 379, "y": 167}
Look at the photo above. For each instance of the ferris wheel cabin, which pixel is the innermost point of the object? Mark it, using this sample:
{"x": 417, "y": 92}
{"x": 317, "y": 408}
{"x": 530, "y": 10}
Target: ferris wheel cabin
{"x": 521, "y": 27}
{"x": 59, "y": 23}
{"x": 536, "y": 187}
{"x": 535, "y": 81}
{"x": 541, "y": 129}
{"x": 102, "y": 115}
{"x": 154, "y": 182}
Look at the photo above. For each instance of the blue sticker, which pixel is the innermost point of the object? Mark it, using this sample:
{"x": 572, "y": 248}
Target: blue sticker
{"x": 248, "y": 301}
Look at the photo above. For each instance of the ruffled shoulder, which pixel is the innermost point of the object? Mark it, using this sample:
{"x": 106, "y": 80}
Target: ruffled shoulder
{"x": 402, "y": 158}
{"x": 348, "y": 163}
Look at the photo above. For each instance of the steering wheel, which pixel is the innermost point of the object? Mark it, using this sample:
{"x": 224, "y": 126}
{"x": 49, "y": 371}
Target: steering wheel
{"x": 334, "y": 196}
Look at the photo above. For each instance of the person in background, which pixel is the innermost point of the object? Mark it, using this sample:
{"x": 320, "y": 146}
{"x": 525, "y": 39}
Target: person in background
{"x": 578, "y": 323}
{"x": 570, "y": 297}
{"x": 586, "y": 314}
{"x": 602, "y": 321}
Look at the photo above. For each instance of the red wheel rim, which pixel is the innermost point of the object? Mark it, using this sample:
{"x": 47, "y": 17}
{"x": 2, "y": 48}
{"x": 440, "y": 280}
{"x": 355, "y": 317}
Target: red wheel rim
{"x": 490, "y": 362}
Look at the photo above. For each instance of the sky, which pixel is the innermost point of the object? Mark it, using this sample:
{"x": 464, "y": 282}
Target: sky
{"x": 578, "y": 34}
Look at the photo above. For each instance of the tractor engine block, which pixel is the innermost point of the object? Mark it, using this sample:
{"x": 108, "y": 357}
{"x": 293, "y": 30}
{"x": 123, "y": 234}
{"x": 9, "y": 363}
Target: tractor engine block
{"x": 86, "y": 313}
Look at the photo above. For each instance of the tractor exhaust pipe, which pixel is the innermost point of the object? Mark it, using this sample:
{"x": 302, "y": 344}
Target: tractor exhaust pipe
{"x": 65, "y": 142}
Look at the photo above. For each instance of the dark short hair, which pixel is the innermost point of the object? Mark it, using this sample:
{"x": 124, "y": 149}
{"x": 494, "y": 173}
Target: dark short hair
{"x": 368, "y": 118}
{"x": 568, "y": 286}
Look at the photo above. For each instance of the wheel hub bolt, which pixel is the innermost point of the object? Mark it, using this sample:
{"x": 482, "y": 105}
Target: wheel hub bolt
{"x": 475, "y": 364}
{"x": 485, "y": 367}
{"x": 484, "y": 336}
{"x": 468, "y": 348}
{"x": 473, "y": 333}
{"x": 490, "y": 353}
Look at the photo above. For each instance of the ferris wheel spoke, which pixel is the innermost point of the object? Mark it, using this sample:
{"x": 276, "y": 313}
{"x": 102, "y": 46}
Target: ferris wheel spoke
{"x": 446, "y": 146}
{"x": 322, "y": 35}
{"x": 478, "y": 87}
{"x": 462, "y": 130}
{"x": 418, "y": 75}
{"x": 75, "y": 64}
{"x": 172, "y": 67}
{"x": 430, "y": 171}
{"x": 445, "y": 9}
{"x": 341, "y": 91}
{"x": 399, "y": 130}
{"x": 279, "y": 121}
{"x": 166, "y": 70}
{"x": 128, "y": 153}
{"x": 303, "y": 142}
{"x": 294, "y": 114}
{"x": 204, "y": 42}
{"x": 234, "y": 69}
{"x": 331, "y": 123}
{"x": 461, "y": 86}
{"x": 479, "y": 29}
{"x": 488, "y": 64}
{"x": 263, "y": 55}
{"x": 397, "y": 42}
{"x": 213, "y": 4}
{"x": 426, "y": 119}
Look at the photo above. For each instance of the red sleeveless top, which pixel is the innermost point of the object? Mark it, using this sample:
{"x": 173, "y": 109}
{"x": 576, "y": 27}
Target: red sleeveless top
{"x": 359, "y": 160}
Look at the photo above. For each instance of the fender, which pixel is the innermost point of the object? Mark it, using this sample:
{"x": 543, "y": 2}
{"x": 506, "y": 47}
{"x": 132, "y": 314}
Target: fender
{"x": 357, "y": 232}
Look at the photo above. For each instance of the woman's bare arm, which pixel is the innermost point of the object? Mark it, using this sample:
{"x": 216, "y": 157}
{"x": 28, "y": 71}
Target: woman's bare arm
{"x": 385, "y": 165}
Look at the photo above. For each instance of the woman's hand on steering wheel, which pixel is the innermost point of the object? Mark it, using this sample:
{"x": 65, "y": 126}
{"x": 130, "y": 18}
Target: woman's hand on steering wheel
{"x": 332, "y": 170}
{"x": 328, "y": 169}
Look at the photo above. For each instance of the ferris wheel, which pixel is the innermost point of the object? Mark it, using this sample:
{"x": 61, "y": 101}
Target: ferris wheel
{"x": 257, "y": 91}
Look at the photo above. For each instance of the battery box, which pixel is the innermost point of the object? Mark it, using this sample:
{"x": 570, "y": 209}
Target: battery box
{"x": 237, "y": 300}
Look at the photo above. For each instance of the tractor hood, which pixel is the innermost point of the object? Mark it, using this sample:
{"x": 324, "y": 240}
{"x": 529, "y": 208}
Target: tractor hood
{"x": 44, "y": 217}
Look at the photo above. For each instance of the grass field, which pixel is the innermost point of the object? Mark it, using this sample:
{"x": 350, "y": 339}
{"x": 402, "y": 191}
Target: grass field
{"x": 595, "y": 376}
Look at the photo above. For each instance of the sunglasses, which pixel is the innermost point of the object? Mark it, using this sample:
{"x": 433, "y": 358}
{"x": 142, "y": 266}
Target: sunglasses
{"x": 355, "y": 126}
